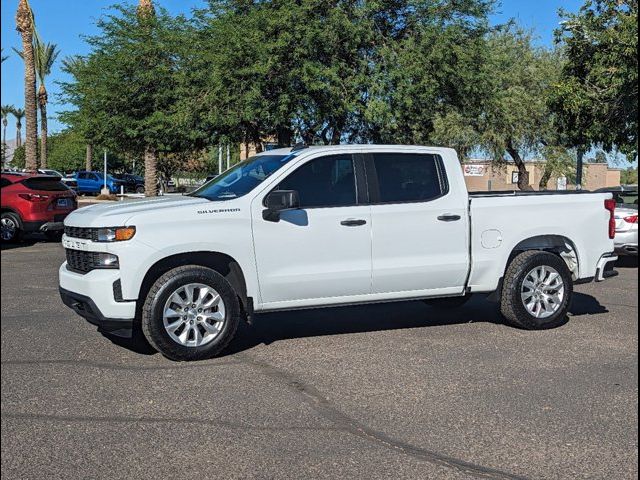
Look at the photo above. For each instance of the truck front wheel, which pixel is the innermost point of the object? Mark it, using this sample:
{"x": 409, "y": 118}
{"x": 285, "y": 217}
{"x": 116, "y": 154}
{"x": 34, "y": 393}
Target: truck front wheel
{"x": 537, "y": 291}
{"x": 190, "y": 313}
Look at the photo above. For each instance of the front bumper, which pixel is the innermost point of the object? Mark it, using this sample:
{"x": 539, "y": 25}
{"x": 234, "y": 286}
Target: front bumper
{"x": 93, "y": 297}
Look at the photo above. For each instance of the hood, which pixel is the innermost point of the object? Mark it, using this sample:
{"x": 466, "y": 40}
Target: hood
{"x": 117, "y": 213}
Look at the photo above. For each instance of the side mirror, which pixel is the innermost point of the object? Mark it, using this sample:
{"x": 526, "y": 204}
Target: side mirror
{"x": 279, "y": 201}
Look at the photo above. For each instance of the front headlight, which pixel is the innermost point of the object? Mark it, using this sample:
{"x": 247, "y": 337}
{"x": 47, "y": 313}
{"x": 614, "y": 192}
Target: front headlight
{"x": 115, "y": 234}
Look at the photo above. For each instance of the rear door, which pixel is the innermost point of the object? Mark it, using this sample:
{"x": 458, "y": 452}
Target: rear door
{"x": 322, "y": 251}
{"x": 420, "y": 243}
{"x": 82, "y": 182}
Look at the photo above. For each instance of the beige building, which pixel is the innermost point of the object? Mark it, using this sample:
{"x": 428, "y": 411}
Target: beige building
{"x": 481, "y": 175}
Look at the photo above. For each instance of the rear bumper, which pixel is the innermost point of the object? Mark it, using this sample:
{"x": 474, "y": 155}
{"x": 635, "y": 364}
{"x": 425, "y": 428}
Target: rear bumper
{"x": 627, "y": 242}
{"x": 92, "y": 296}
{"x": 52, "y": 223}
{"x": 605, "y": 268}
{"x": 30, "y": 227}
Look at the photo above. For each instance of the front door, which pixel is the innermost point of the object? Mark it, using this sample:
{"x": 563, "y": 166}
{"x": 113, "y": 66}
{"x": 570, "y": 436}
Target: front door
{"x": 322, "y": 251}
{"x": 419, "y": 229}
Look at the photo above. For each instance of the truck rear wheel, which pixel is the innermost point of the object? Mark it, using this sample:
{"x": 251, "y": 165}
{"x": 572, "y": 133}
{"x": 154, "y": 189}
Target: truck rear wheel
{"x": 190, "y": 313}
{"x": 537, "y": 291}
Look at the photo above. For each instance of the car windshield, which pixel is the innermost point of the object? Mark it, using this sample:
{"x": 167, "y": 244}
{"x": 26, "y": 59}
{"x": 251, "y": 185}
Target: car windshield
{"x": 242, "y": 178}
{"x": 627, "y": 199}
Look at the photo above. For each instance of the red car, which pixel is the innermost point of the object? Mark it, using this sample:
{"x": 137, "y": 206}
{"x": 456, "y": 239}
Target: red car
{"x": 34, "y": 203}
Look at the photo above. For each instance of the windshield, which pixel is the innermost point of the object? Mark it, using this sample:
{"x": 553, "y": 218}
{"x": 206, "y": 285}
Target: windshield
{"x": 242, "y": 178}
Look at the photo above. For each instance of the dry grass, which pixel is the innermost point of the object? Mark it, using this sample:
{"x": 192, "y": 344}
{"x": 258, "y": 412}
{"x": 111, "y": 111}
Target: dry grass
{"x": 110, "y": 197}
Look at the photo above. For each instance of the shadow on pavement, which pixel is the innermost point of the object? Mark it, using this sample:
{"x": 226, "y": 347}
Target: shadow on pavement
{"x": 586, "y": 305}
{"x": 27, "y": 241}
{"x": 272, "y": 327}
{"x": 627, "y": 262}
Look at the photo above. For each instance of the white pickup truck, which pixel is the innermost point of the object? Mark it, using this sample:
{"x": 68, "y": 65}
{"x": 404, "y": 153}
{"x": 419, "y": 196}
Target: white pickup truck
{"x": 327, "y": 226}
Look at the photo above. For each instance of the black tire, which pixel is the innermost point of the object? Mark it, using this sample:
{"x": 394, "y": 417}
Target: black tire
{"x": 139, "y": 189}
{"x": 54, "y": 236}
{"x": 512, "y": 305}
{"x": 8, "y": 219}
{"x": 447, "y": 303}
{"x": 152, "y": 323}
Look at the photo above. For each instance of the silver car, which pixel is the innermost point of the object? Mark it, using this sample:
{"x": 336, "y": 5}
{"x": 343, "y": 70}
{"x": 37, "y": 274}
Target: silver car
{"x": 626, "y": 231}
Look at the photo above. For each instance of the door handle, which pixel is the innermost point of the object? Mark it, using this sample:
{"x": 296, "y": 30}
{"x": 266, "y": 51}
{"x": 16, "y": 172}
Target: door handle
{"x": 353, "y": 223}
{"x": 449, "y": 218}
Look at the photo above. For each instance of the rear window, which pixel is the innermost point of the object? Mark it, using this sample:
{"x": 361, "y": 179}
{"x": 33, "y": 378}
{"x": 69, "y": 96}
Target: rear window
{"x": 45, "y": 184}
{"x": 408, "y": 177}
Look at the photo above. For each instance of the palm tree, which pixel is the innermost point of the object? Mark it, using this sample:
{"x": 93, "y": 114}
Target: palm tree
{"x": 25, "y": 25}
{"x": 45, "y": 55}
{"x": 5, "y": 110}
{"x": 4, "y": 57}
{"x": 146, "y": 11}
{"x": 19, "y": 114}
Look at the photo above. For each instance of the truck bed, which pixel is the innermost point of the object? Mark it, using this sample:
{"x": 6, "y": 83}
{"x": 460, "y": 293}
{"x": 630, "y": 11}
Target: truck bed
{"x": 501, "y": 222}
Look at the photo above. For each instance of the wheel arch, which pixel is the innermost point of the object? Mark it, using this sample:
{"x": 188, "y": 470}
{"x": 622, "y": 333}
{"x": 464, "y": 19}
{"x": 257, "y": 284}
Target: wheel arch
{"x": 222, "y": 263}
{"x": 559, "y": 245}
{"x": 15, "y": 212}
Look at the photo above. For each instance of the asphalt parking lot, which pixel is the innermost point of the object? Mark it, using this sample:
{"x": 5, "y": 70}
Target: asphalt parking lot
{"x": 389, "y": 391}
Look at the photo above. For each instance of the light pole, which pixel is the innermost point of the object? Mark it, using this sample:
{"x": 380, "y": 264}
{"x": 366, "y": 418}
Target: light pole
{"x": 105, "y": 190}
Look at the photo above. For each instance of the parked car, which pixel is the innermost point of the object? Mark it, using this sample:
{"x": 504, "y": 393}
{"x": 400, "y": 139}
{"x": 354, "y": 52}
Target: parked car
{"x": 93, "y": 182}
{"x": 626, "y": 241}
{"x": 34, "y": 203}
{"x": 626, "y": 215}
{"x": 69, "y": 181}
{"x": 327, "y": 226}
{"x": 132, "y": 183}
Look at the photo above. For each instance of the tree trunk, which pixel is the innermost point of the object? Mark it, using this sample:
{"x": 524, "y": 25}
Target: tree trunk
{"x": 42, "y": 101}
{"x": 523, "y": 174}
{"x": 19, "y": 135}
{"x": 150, "y": 172}
{"x": 24, "y": 24}
{"x": 88, "y": 159}
{"x": 544, "y": 181}
{"x": 284, "y": 136}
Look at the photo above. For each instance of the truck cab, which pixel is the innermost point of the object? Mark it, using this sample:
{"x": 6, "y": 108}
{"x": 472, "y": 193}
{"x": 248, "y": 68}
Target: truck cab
{"x": 326, "y": 226}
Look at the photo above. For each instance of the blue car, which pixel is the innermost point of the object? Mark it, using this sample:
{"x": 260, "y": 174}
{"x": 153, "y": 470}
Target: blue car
{"x": 92, "y": 182}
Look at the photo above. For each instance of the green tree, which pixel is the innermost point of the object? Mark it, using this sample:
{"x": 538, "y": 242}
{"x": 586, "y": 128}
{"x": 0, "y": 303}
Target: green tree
{"x": 597, "y": 95}
{"x": 629, "y": 176}
{"x": 559, "y": 162}
{"x": 125, "y": 90}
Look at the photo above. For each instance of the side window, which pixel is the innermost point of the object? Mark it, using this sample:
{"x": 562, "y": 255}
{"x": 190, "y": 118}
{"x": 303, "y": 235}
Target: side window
{"x": 93, "y": 176}
{"x": 324, "y": 182}
{"x": 5, "y": 182}
{"x": 82, "y": 175}
{"x": 408, "y": 177}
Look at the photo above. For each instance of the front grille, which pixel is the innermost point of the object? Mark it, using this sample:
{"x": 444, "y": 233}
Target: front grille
{"x": 80, "y": 261}
{"x": 81, "y": 232}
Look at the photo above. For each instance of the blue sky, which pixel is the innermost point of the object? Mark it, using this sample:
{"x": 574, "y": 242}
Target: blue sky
{"x": 65, "y": 21}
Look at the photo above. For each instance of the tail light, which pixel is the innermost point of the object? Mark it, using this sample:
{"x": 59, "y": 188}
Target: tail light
{"x": 631, "y": 219}
{"x": 610, "y": 205}
{"x": 34, "y": 197}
